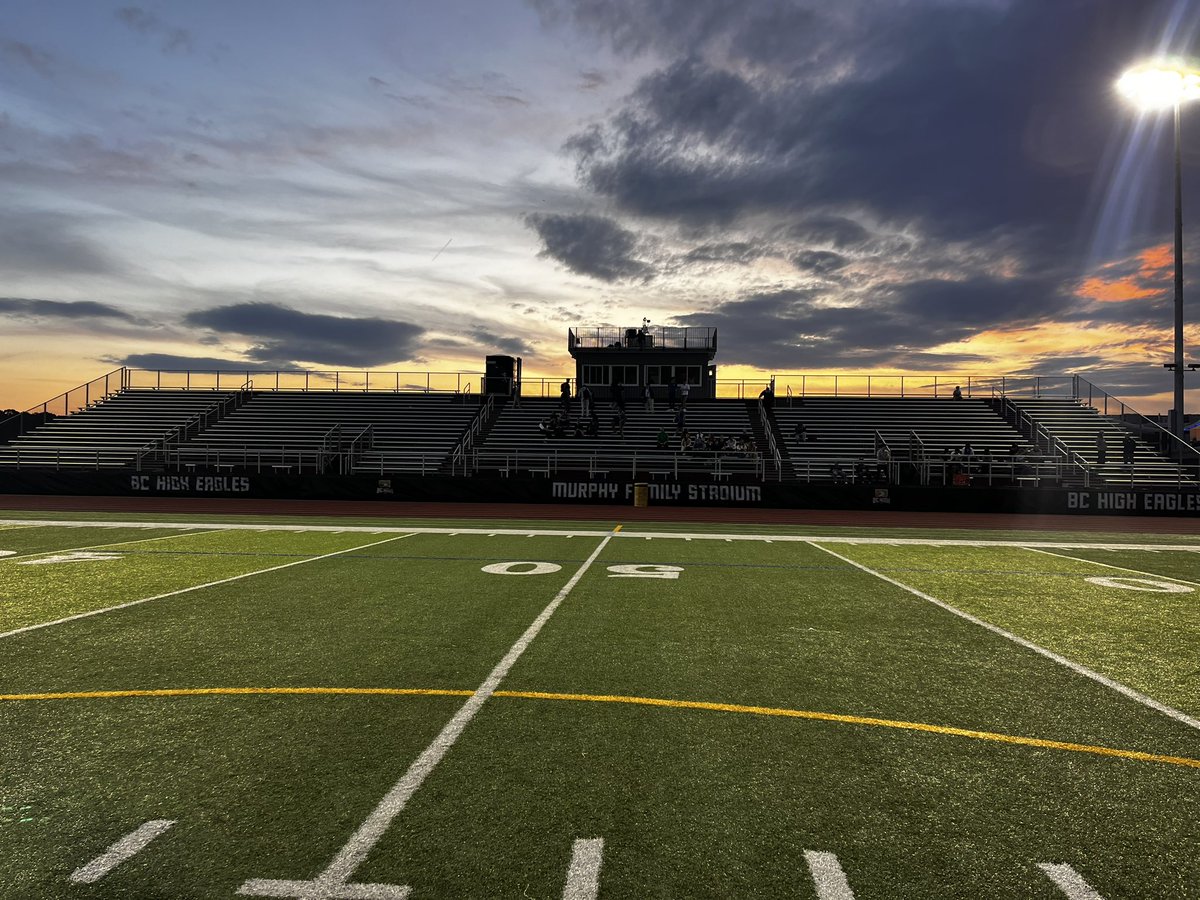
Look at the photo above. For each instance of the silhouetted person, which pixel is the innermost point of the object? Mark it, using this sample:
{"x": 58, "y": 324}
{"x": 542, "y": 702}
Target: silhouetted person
{"x": 672, "y": 387}
{"x": 1129, "y": 448}
{"x": 1101, "y": 448}
{"x": 957, "y": 392}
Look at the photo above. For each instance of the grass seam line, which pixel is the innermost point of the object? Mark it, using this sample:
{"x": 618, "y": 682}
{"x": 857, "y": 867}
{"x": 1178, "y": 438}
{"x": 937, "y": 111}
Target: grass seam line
{"x": 1111, "y": 566}
{"x": 702, "y": 705}
{"x": 1077, "y": 668}
{"x": 197, "y": 587}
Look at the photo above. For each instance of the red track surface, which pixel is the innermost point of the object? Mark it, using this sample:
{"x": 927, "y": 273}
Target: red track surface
{"x": 625, "y": 514}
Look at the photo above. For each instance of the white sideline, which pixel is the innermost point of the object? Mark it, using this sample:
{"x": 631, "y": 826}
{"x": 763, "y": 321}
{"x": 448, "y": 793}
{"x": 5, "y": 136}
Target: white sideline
{"x": 1069, "y": 881}
{"x": 1118, "y": 568}
{"x": 583, "y": 876}
{"x": 195, "y": 587}
{"x": 584, "y": 532}
{"x": 333, "y": 882}
{"x": 827, "y": 875}
{"x": 132, "y": 843}
{"x": 1129, "y": 692}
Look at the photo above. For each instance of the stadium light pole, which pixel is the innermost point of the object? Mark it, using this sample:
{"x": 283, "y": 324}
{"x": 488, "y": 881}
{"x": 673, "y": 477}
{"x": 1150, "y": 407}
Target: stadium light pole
{"x": 1157, "y": 85}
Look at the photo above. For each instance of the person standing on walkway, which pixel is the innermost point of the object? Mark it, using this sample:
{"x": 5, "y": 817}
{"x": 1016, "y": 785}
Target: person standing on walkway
{"x": 683, "y": 394}
{"x": 564, "y": 396}
{"x": 585, "y": 402}
{"x": 648, "y": 394}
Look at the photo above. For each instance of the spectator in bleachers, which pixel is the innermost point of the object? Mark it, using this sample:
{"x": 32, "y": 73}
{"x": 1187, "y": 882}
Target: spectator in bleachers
{"x": 618, "y": 395}
{"x": 801, "y": 432}
{"x": 838, "y": 474}
{"x": 1101, "y": 448}
{"x": 1128, "y": 449}
{"x": 585, "y": 402}
{"x": 684, "y": 389}
{"x": 663, "y": 440}
{"x": 618, "y": 422}
{"x": 767, "y": 398}
{"x": 671, "y": 389}
{"x": 593, "y": 425}
{"x": 681, "y": 420}
{"x": 564, "y": 394}
{"x": 648, "y": 396}
{"x": 957, "y": 392}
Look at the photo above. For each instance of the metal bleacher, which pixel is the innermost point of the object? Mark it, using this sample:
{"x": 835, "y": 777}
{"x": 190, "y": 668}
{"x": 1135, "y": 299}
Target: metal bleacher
{"x": 307, "y": 431}
{"x": 1078, "y": 427}
{"x": 515, "y": 445}
{"x": 110, "y": 433}
{"x": 845, "y": 431}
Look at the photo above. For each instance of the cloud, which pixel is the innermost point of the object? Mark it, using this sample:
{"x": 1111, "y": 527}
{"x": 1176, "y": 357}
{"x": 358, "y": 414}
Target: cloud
{"x": 147, "y": 24}
{"x": 284, "y": 333}
{"x": 44, "y": 244}
{"x": 23, "y": 54}
{"x": 811, "y": 328}
{"x": 60, "y": 309}
{"x": 592, "y": 79}
{"x": 170, "y": 362}
{"x": 912, "y": 123}
{"x": 590, "y": 245}
{"x": 819, "y": 262}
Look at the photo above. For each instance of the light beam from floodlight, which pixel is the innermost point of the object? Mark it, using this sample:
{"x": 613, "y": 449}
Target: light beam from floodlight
{"x": 1158, "y": 85}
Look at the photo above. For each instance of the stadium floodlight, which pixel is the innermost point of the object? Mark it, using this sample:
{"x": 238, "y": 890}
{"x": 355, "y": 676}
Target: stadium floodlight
{"x": 1158, "y": 85}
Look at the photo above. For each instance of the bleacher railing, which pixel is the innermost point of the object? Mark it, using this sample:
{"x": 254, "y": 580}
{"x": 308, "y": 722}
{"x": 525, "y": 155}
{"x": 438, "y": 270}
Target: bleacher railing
{"x": 300, "y": 380}
{"x": 772, "y": 446}
{"x": 181, "y": 433}
{"x": 1169, "y": 445}
{"x": 458, "y": 458}
{"x": 790, "y": 386}
{"x": 75, "y": 400}
{"x": 638, "y": 464}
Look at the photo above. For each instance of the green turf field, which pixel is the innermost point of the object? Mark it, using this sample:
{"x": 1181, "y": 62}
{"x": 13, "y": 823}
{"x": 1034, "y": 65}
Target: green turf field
{"x": 191, "y": 710}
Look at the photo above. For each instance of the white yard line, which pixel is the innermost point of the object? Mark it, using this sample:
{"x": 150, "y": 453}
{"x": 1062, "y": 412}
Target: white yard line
{"x": 131, "y": 844}
{"x": 1069, "y": 881}
{"x": 827, "y": 875}
{"x": 197, "y": 587}
{"x": 333, "y": 882}
{"x": 576, "y": 532}
{"x": 161, "y": 537}
{"x": 1093, "y": 562}
{"x": 1129, "y": 692}
{"x": 583, "y": 877}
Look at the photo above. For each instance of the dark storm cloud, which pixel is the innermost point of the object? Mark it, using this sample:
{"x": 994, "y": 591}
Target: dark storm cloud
{"x": 170, "y": 362}
{"x": 804, "y": 329}
{"x": 60, "y": 309}
{"x": 172, "y": 39}
{"x": 964, "y": 117}
{"x": 819, "y": 262}
{"x": 590, "y": 245}
{"x": 283, "y": 333}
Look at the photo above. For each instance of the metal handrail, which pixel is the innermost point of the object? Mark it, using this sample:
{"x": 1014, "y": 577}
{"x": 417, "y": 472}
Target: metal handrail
{"x": 648, "y": 462}
{"x": 1180, "y": 446}
{"x": 769, "y": 430}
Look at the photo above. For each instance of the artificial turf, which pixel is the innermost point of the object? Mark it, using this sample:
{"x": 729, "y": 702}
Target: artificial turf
{"x": 695, "y": 801}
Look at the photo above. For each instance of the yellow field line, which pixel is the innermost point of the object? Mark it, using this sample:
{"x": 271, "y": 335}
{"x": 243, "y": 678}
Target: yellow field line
{"x": 996, "y": 737}
{"x": 248, "y": 691}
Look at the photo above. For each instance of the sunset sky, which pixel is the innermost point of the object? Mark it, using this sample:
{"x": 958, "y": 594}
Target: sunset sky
{"x": 933, "y": 186}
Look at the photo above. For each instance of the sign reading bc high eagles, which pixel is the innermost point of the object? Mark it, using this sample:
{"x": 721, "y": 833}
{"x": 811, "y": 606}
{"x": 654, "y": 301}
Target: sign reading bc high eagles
{"x": 188, "y": 484}
{"x": 1133, "y": 501}
{"x": 618, "y": 492}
